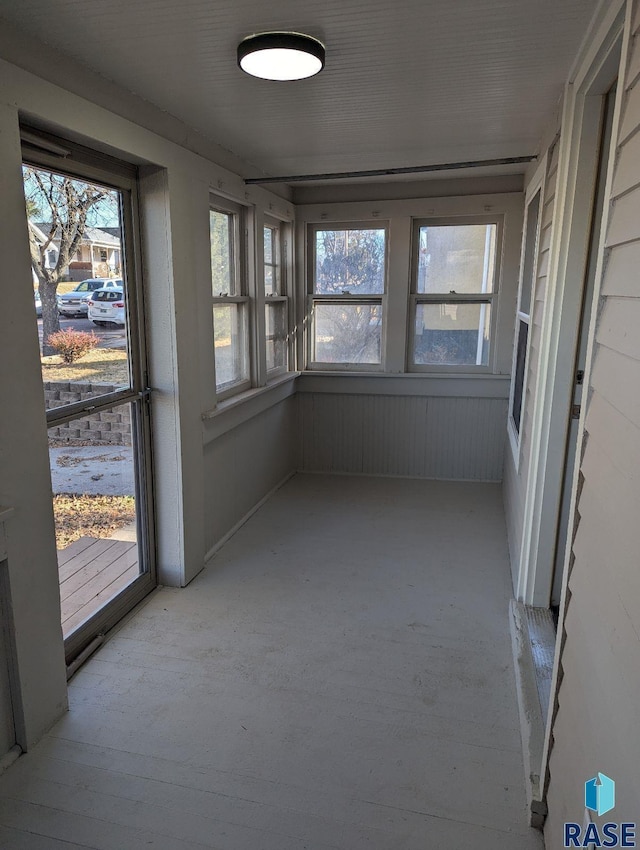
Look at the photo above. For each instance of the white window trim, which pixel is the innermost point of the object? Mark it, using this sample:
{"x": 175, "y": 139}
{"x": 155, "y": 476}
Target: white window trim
{"x": 312, "y": 298}
{"x": 492, "y": 298}
{"x": 282, "y": 295}
{"x": 537, "y": 183}
{"x": 240, "y": 269}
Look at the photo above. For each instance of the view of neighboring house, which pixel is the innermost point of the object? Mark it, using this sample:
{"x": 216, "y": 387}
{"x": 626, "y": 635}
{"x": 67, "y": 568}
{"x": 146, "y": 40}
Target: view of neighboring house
{"x": 99, "y": 253}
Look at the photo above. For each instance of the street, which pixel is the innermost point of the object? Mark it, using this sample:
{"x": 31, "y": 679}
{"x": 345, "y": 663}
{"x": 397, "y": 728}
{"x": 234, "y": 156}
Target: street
{"x": 110, "y": 336}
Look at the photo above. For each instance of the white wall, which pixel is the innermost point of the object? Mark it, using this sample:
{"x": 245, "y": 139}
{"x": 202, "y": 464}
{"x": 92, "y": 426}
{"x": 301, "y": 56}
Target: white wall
{"x": 245, "y": 462}
{"x": 25, "y": 483}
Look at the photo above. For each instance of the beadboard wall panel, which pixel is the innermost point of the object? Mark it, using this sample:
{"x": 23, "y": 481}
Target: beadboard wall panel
{"x": 243, "y": 465}
{"x": 414, "y": 436}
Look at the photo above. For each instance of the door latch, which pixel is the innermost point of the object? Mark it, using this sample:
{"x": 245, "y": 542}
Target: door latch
{"x": 575, "y": 411}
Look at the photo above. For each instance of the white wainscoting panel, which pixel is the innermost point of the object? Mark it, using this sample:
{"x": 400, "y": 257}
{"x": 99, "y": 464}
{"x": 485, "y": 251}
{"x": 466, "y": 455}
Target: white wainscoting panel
{"x": 415, "y": 436}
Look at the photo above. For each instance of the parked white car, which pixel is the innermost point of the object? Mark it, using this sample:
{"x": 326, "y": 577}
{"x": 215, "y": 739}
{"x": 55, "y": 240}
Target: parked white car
{"x": 75, "y": 303}
{"x": 106, "y": 306}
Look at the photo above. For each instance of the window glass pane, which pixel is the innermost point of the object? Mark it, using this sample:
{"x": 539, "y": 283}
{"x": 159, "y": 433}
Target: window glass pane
{"x": 347, "y": 333}
{"x": 529, "y": 263}
{"x": 222, "y": 268}
{"x": 350, "y": 261}
{"x": 269, "y": 252}
{"x": 271, "y": 261}
{"x": 94, "y": 504}
{"x": 456, "y": 258}
{"x": 84, "y": 350}
{"x": 276, "y": 333}
{"x": 518, "y": 381}
{"x": 268, "y": 281}
{"x": 452, "y": 334}
{"x": 230, "y": 339}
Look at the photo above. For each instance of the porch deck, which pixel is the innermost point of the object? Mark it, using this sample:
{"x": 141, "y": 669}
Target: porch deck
{"x": 91, "y": 571}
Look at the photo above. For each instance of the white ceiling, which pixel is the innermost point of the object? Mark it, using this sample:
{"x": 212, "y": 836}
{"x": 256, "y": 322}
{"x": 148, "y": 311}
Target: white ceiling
{"x": 410, "y": 83}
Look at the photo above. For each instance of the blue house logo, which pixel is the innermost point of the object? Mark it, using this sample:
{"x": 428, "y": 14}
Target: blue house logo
{"x": 600, "y": 797}
{"x": 600, "y": 794}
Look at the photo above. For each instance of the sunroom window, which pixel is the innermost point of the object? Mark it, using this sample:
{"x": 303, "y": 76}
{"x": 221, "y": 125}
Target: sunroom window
{"x": 276, "y": 300}
{"x": 348, "y": 285}
{"x": 230, "y": 299}
{"x": 454, "y": 290}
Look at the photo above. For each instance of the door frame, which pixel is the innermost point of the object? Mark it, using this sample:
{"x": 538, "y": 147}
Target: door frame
{"x": 39, "y": 150}
{"x": 596, "y": 68}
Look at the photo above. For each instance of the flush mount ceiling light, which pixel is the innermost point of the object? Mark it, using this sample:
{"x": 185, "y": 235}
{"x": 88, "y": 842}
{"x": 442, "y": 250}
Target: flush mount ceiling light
{"x": 281, "y": 56}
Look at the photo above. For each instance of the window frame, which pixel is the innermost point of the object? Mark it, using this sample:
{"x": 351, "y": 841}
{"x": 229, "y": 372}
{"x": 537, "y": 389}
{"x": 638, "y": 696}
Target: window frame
{"x": 535, "y": 188}
{"x": 313, "y": 299}
{"x": 281, "y": 295}
{"x": 416, "y": 298}
{"x": 240, "y": 291}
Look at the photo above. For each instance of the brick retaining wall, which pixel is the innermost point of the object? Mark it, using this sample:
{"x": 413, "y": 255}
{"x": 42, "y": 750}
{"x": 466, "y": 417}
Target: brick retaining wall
{"x": 108, "y": 426}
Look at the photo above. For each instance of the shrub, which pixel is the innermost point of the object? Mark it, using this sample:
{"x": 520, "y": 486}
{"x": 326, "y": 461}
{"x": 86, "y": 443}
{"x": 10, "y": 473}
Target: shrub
{"x": 72, "y": 345}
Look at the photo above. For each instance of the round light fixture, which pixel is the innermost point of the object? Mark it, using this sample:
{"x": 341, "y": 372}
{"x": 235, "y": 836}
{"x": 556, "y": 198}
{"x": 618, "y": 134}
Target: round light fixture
{"x": 281, "y": 56}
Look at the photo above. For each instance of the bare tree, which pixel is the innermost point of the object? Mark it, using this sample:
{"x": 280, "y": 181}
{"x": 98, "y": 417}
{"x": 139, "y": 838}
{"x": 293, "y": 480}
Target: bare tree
{"x": 64, "y": 204}
{"x": 349, "y": 262}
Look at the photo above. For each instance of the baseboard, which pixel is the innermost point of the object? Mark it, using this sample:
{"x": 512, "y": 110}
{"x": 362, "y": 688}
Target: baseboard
{"x": 216, "y": 546}
{"x": 398, "y": 476}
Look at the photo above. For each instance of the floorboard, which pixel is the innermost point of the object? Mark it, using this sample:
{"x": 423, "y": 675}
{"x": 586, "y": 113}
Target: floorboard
{"x": 340, "y": 676}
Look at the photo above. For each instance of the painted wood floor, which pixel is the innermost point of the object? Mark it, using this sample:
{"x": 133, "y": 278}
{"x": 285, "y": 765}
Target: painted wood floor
{"x": 339, "y": 677}
{"x": 92, "y": 571}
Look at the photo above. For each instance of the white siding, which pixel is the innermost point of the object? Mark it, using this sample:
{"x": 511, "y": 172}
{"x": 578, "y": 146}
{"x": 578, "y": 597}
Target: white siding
{"x": 596, "y": 726}
{"x": 516, "y": 479}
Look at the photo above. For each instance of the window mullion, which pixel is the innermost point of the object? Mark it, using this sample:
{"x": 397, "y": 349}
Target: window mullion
{"x": 396, "y": 309}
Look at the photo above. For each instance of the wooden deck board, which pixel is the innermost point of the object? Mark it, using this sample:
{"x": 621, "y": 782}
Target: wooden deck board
{"x": 92, "y": 571}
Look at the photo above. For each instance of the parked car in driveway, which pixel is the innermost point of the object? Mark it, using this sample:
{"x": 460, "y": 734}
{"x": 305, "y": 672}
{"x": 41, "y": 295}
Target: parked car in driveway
{"x": 75, "y": 303}
{"x": 106, "y": 306}
{"x": 38, "y": 303}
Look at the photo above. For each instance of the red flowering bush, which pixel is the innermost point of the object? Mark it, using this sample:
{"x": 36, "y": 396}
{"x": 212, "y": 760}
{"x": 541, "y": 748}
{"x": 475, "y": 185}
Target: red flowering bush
{"x": 72, "y": 345}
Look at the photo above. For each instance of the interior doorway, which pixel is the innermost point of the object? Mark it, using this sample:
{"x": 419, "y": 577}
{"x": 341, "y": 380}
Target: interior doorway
{"x": 81, "y": 216}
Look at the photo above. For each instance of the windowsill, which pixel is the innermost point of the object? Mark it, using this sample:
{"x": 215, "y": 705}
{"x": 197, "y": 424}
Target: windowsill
{"x": 440, "y": 374}
{"x": 231, "y": 412}
{"x": 440, "y": 384}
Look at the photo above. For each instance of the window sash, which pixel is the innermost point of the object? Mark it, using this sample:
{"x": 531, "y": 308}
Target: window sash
{"x": 314, "y": 302}
{"x": 534, "y": 207}
{"x": 236, "y": 361}
{"x": 347, "y": 227}
{"x": 523, "y": 331}
{"x": 275, "y": 264}
{"x": 484, "y": 263}
{"x": 461, "y": 221}
{"x": 272, "y": 302}
{"x": 235, "y": 282}
{"x": 489, "y": 299}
